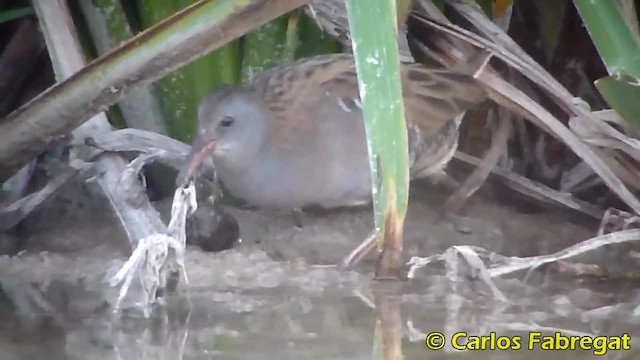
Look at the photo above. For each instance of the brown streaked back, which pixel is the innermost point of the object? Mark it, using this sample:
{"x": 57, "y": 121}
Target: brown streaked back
{"x": 432, "y": 96}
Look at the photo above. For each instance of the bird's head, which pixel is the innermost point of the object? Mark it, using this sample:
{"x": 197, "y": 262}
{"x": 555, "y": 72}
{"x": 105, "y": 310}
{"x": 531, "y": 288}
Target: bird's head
{"x": 231, "y": 129}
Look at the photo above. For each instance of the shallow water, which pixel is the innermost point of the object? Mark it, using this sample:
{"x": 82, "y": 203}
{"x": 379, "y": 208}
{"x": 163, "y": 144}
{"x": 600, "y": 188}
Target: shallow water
{"x": 277, "y": 296}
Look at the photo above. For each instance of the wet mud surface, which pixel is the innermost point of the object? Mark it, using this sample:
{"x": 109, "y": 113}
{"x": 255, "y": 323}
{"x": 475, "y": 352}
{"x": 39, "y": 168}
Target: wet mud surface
{"x": 278, "y": 294}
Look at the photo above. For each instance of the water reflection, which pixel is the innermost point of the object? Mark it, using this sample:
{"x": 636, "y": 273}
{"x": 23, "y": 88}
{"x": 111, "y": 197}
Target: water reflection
{"x": 316, "y": 313}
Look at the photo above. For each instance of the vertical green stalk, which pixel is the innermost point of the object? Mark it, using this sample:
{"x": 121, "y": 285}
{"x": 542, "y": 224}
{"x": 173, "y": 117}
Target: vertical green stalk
{"x": 117, "y": 24}
{"x": 226, "y": 63}
{"x": 105, "y": 22}
{"x": 220, "y": 67}
{"x": 313, "y": 41}
{"x": 293, "y": 37}
{"x": 175, "y": 91}
{"x": 264, "y": 47}
{"x": 374, "y": 31}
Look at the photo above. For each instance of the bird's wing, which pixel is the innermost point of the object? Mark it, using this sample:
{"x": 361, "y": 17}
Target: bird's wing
{"x": 294, "y": 92}
{"x": 299, "y": 85}
{"x": 435, "y": 96}
{"x": 432, "y": 96}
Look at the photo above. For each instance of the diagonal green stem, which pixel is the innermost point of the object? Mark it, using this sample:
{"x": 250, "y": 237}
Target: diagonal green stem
{"x": 615, "y": 43}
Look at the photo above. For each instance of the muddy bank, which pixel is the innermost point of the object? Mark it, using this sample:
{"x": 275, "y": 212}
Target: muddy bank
{"x": 278, "y": 295}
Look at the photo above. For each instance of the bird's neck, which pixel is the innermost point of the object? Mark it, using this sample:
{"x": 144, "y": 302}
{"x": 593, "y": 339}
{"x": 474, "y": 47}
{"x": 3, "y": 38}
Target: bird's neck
{"x": 246, "y": 179}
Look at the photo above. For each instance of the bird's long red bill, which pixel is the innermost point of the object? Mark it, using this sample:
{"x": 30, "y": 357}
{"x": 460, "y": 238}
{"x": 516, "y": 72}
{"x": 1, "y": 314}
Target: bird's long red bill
{"x": 199, "y": 151}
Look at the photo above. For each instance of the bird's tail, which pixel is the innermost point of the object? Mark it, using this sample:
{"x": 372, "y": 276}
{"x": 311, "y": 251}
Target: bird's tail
{"x": 440, "y": 98}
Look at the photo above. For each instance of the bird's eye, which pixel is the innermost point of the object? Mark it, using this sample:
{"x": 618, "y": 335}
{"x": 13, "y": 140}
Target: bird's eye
{"x": 227, "y": 121}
